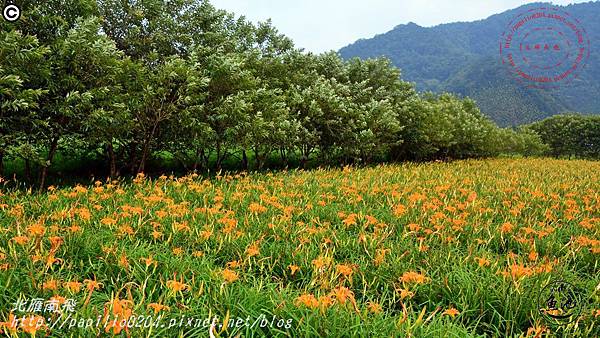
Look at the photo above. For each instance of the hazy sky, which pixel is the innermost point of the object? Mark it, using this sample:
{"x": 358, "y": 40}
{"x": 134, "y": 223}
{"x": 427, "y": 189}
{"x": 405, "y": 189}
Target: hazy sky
{"x": 322, "y": 25}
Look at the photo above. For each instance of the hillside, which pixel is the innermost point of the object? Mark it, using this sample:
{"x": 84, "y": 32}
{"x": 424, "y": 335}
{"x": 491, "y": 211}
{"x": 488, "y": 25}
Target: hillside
{"x": 463, "y": 58}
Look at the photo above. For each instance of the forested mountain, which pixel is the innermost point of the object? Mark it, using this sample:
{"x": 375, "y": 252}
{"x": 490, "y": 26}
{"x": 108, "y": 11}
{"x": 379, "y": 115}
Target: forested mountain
{"x": 463, "y": 58}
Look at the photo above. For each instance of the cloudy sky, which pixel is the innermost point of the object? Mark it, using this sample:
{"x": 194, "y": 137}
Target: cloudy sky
{"x": 321, "y": 25}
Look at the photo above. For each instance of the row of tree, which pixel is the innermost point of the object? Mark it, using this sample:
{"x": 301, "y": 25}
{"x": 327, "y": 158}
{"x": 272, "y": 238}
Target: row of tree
{"x": 570, "y": 135}
{"x": 127, "y": 80}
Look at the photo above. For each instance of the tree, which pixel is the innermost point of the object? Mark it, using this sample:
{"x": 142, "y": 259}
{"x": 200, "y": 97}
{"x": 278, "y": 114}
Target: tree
{"x": 20, "y": 64}
{"x": 83, "y": 66}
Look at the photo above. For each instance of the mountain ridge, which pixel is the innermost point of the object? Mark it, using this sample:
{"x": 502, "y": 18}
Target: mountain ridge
{"x": 451, "y": 57}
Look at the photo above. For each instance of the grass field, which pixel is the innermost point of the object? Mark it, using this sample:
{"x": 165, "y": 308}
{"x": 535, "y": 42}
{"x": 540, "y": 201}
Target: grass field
{"x": 432, "y": 250}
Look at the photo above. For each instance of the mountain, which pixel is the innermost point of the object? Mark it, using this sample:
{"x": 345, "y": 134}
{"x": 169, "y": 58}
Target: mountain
{"x": 464, "y": 58}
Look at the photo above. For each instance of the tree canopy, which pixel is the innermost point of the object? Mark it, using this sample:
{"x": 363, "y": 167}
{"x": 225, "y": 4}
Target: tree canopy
{"x": 127, "y": 82}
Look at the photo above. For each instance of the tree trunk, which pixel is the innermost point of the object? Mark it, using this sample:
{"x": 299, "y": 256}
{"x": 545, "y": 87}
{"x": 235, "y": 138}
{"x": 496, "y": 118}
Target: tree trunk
{"x": 219, "y": 158}
{"x": 195, "y": 165}
{"x": 146, "y": 149}
{"x": 304, "y": 157}
{"x": 244, "y": 160}
{"x": 1, "y": 163}
{"x": 260, "y": 159}
{"x": 27, "y": 170}
{"x": 113, "y": 160}
{"x": 283, "y": 156}
{"x": 51, "y": 153}
{"x": 132, "y": 157}
{"x": 144, "y": 157}
{"x": 197, "y": 160}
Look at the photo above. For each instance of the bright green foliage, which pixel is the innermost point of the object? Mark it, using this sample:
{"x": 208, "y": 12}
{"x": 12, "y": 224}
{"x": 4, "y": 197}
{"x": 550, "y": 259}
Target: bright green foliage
{"x": 128, "y": 82}
{"x": 570, "y": 135}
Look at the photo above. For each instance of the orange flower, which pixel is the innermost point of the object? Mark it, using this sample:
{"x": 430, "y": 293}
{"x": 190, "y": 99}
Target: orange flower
{"x": 84, "y": 214}
{"x": 343, "y": 294}
{"x": 253, "y": 250}
{"x": 307, "y": 300}
{"x": 506, "y": 227}
{"x": 180, "y": 227}
{"x": 148, "y": 261}
{"x": 156, "y": 234}
{"x": 108, "y": 221}
{"x": 205, "y": 234}
{"x": 50, "y": 284}
{"x": 32, "y": 324}
{"x": 121, "y": 310}
{"x": 73, "y": 286}
{"x": 404, "y": 293}
{"x": 229, "y": 276}
{"x": 413, "y": 277}
{"x": 58, "y": 299}
{"x": 233, "y": 264}
{"x": 55, "y": 242}
{"x": 126, "y": 230}
{"x": 36, "y": 230}
{"x": 325, "y": 301}
{"x": 293, "y": 268}
{"x": 414, "y": 227}
{"x": 380, "y": 256}
{"x": 536, "y": 332}
{"x": 158, "y": 307}
{"x": 74, "y": 228}
{"x": 452, "y": 312}
{"x": 344, "y": 270}
{"x": 10, "y": 325}
{"x": 123, "y": 262}
{"x": 517, "y": 271}
{"x": 350, "y": 220}
{"x": 320, "y": 263}
{"x": 256, "y": 208}
{"x": 21, "y": 240}
{"x": 177, "y": 286}
{"x": 92, "y": 285}
{"x": 533, "y": 255}
{"x": 399, "y": 210}
{"x": 374, "y": 307}
{"x": 482, "y": 261}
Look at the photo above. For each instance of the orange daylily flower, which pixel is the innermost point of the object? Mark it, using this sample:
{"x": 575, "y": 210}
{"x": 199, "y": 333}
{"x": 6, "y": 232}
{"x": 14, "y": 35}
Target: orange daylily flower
{"x": 156, "y": 307}
{"x": 177, "y": 286}
{"x": 293, "y": 268}
{"x": 229, "y": 276}
{"x": 413, "y": 277}
{"x": 73, "y": 286}
{"x": 452, "y": 312}
{"x": 32, "y": 324}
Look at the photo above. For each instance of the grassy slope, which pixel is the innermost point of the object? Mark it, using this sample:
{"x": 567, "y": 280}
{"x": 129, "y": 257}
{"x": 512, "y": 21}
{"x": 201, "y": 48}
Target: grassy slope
{"x": 372, "y": 248}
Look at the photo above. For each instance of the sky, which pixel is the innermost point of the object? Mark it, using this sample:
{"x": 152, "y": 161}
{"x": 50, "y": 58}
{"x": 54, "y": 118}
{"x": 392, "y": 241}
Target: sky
{"x": 323, "y": 25}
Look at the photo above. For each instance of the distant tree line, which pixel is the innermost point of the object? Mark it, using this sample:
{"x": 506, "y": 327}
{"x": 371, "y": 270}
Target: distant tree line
{"x": 128, "y": 80}
{"x": 571, "y": 135}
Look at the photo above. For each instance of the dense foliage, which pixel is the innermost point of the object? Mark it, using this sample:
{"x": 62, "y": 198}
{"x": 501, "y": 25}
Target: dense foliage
{"x": 127, "y": 82}
{"x": 570, "y": 135}
{"x": 463, "y": 58}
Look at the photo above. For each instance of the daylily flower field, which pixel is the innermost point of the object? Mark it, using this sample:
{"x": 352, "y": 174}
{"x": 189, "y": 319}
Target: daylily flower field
{"x": 441, "y": 249}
